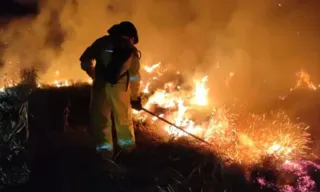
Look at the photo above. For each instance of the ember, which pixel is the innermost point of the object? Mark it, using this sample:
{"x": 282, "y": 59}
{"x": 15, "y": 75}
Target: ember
{"x": 247, "y": 140}
{"x": 242, "y": 138}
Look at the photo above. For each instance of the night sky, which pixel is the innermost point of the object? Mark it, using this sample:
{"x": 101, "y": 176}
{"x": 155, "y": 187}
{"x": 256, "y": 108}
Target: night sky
{"x": 284, "y": 39}
{"x": 12, "y": 8}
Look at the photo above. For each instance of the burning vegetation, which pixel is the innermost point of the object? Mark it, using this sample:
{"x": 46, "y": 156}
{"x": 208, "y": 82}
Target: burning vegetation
{"x": 245, "y": 139}
{"x": 238, "y": 138}
{"x": 253, "y": 43}
{"x": 242, "y": 138}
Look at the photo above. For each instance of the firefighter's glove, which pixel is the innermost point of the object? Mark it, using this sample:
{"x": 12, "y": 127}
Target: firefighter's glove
{"x": 136, "y": 104}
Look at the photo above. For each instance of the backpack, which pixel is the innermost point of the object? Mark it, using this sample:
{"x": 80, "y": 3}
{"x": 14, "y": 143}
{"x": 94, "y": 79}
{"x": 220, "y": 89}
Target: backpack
{"x": 120, "y": 50}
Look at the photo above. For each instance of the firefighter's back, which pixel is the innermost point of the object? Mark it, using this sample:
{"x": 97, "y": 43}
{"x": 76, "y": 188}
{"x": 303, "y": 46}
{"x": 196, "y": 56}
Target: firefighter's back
{"x": 113, "y": 59}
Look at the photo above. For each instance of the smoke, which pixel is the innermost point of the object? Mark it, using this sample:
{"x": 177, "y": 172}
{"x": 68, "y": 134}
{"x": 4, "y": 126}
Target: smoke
{"x": 263, "y": 42}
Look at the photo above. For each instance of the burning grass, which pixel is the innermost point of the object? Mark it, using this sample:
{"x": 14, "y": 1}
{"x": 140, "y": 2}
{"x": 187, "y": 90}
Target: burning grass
{"x": 241, "y": 143}
{"x": 242, "y": 138}
{"x": 176, "y": 164}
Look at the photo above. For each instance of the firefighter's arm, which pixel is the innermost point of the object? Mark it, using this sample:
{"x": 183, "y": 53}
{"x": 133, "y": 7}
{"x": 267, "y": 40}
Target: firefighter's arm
{"x": 87, "y": 59}
{"x": 135, "y": 77}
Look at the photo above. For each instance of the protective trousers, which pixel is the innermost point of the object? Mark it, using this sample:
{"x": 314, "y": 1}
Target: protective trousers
{"x": 110, "y": 107}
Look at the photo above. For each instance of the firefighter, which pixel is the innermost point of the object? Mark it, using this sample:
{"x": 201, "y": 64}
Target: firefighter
{"x": 115, "y": 89}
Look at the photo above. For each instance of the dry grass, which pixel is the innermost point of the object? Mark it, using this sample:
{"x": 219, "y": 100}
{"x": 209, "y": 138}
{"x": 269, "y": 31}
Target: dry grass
{"x": 14, "y": 131}
{"x": 66, "y": 161}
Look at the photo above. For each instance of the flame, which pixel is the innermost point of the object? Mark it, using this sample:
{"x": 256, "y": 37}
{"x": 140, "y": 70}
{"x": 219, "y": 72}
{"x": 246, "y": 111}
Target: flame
{"x": 304, "y": 79}
{"x": 244, "y": 141}
{"x": 201, "y": 92}
{"x": 151, "y": 68}
{"x": 146, "y": 89}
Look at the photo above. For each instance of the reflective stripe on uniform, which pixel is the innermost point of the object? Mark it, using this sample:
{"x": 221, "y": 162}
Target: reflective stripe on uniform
{"x": 134, "y": 78}
{"x": 108, "y": 50}
{"x": 126, "y": 142}
{"x": 105, "y": 146}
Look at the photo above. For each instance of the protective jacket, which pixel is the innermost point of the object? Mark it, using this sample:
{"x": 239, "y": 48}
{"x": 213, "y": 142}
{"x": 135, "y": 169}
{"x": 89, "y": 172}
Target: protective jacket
{"x": 110, "y": 101}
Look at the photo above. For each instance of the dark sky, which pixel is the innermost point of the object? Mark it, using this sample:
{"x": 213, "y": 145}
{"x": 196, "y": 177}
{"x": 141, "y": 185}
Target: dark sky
{"x": 258, "y": 39}
{"x": 11, "y": 8}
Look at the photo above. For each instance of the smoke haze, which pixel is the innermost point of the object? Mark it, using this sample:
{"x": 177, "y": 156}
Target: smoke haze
{"x": 263, "y": 42}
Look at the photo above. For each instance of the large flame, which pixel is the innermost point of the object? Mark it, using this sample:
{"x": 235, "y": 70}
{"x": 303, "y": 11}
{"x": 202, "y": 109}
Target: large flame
{"x": 245, "y": 140}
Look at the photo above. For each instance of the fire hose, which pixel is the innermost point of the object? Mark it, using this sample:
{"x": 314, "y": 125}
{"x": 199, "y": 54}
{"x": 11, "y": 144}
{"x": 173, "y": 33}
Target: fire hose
{"x": 175, "y": 126}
